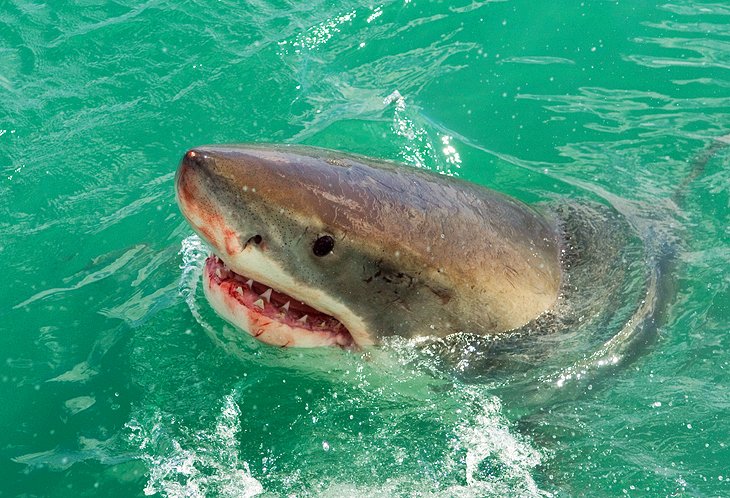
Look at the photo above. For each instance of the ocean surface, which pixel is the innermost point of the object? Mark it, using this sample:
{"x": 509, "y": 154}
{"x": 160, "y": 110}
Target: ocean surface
{"x": 117, "y": 379}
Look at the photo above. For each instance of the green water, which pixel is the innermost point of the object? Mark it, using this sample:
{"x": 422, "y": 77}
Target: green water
{"x": 118, "y": 380}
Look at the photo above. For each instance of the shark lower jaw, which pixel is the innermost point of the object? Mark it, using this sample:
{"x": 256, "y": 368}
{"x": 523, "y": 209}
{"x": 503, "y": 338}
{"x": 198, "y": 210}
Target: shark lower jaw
{"x": 267, "y": 314}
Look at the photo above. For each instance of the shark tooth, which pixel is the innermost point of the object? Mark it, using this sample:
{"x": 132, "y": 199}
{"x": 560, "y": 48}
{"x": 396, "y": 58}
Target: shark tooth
{"x": 218, "y": 273}
{"x": 249, "y": 283}
{"x": 259, "y": 303}
{"x": 303, "y": 319}
{"x": 239, "y": 289}
{"x": 285, "y": 307}
{"x": 266, "y": 295}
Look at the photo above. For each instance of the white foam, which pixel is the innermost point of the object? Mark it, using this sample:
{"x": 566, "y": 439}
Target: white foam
{"x": 210, "y": 468}
{"x": 488, "y": 438}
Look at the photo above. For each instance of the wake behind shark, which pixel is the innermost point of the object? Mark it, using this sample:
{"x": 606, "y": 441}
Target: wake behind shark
{"x": 314, "y": 247}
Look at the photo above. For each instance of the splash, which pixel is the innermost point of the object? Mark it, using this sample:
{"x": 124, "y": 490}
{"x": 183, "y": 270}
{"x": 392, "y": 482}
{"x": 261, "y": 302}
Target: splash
{"x": 211, "y": 467}
{"x": 193, "y": 253}
{"x": 498, "y": 462}
{"x": 483, "y": 459}
{"x": 483, "y": 455}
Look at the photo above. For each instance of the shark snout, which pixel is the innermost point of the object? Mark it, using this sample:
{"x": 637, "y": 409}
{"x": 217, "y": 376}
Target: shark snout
{"x": 187, "y": 179}
{"x": 194, "y": 162}
{"x": 193, "y": 196}
{"x": 196, "y": 175}
{"x": 195, "y": 158}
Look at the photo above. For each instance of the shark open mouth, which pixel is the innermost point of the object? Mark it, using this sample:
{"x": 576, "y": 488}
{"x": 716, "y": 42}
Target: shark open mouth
{"x": 267, "y": 314}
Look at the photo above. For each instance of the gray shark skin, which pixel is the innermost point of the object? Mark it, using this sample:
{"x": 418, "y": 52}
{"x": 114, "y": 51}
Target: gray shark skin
{"x": 314, "y": 247}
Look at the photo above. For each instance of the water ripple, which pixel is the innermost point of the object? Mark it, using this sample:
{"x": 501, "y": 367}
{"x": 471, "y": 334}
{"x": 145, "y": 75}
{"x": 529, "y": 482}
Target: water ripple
{"x": 711, "y": 53}
{"x": 692, "y": 8}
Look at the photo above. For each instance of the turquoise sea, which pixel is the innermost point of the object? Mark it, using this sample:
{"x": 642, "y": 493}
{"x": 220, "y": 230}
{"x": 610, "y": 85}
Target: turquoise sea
{"x": 117, "y": 379}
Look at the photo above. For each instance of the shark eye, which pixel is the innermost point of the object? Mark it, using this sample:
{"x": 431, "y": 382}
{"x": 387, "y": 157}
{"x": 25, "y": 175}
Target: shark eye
{"x": 323, "y": 245}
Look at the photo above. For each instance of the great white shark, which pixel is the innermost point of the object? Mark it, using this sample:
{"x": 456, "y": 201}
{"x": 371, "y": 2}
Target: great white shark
{"x": 313, "y": 247}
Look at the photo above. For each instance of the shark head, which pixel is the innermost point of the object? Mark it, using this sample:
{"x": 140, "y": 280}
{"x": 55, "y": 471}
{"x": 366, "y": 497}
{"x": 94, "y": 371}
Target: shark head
{"x": 277, "y": 268}
{"x": 317, "y": 248}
